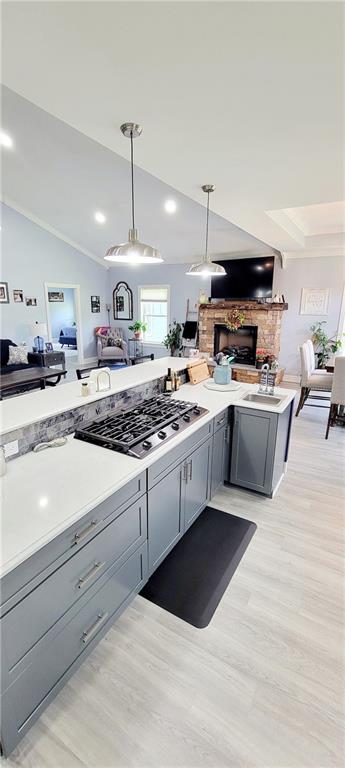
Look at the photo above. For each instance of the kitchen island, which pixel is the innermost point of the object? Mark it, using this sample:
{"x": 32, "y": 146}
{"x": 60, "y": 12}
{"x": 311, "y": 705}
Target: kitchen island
{"x": 84, "y": 527}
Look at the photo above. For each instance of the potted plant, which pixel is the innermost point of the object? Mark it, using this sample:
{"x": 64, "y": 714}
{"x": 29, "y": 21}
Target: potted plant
{"x": 235, "y": 320}
{"x": 260, "y": 358}
{"x": 323, "y": 346}
{"x": 138, "y": 328}
{"x": 172, "y": 340}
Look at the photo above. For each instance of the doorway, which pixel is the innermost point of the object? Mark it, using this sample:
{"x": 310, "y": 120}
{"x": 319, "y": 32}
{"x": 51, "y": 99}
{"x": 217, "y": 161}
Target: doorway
{"x": 64, "y": 325}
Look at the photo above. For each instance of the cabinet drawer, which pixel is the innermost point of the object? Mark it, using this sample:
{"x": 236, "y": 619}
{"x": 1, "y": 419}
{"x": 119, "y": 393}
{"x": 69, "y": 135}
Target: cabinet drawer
{"x": 54, "y": 359}
{"x": 26, "y": 577}
{"x": 167, "y": 462}
{"x": 71, "y": 638}
{"x": 220, "y": 420}
{"x": 28, "y": 621}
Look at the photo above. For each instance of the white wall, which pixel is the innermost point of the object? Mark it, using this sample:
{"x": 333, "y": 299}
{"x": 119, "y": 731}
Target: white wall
{"x": 182, "y": 287}
{"x": 30, "y": 257}
{"x": 328, "y": 272}
{"x": 61, "y": 313}
{"x": 299, "y": 273}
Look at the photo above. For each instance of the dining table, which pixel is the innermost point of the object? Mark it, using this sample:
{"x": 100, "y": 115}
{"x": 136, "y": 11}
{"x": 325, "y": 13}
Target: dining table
{"x": 330, "y": 365}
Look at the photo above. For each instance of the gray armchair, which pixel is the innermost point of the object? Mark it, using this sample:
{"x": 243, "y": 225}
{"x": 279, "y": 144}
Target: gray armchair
{"x": 111, "y": 346}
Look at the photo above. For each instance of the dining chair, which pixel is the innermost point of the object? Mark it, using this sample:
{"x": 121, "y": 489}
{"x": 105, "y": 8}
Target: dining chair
{"x": 312, "y": 379}
{"x": 337, "y": 393}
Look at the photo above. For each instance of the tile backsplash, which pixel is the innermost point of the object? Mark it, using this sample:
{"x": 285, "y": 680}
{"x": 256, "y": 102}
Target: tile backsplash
{"x": 66, "y": 423}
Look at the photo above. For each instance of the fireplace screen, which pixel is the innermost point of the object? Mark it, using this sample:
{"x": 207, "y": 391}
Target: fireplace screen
{"x": 240, "y": 343}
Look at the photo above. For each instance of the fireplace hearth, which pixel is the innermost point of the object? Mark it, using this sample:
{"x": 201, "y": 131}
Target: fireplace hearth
{"x": 241, "y": 343}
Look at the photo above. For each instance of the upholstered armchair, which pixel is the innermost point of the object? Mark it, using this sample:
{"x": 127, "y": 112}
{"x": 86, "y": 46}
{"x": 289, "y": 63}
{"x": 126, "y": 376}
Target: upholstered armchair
{"x": 312, "y": 378}
{"x": 111, "y": 345}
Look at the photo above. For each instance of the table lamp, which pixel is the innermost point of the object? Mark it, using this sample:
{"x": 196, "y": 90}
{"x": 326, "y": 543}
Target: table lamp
{"x": 39, "y": 330}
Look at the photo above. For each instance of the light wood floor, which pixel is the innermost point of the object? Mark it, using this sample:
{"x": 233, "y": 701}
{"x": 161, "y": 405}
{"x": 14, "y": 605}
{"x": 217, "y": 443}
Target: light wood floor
{"x": 263, "y": 685}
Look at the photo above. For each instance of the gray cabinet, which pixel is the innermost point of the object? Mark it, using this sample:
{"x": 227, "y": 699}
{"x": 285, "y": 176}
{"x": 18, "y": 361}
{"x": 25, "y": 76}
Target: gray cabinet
{"x": 220, "y": 452}
{"x": 49, "y": 664}
{"x": 259, "y": 448}
{"x": 218, "y": 459}
{"x": 196, "y": 482}
{"x": 61, "y": 601}
{"x": 177, "y": 499}
{"x": 164, "y": 516}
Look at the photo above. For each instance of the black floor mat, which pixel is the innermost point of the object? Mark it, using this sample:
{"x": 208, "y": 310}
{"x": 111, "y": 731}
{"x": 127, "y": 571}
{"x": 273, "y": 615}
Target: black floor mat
{"x": 194, "y": 576}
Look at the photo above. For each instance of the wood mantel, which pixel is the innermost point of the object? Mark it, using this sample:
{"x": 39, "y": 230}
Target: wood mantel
{"x": 267, "y": 318}
{"x": 244, "y": 305}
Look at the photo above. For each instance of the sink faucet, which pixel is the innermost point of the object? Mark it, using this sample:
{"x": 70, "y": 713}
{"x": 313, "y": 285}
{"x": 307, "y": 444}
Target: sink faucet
{"x": 264, "y": 379}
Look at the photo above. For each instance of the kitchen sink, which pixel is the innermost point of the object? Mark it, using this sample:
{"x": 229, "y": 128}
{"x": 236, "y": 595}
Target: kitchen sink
{"x": 254, "y": 397}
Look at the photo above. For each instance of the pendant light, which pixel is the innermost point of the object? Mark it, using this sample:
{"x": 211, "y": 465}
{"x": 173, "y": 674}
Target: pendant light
{"x": 133, "y": 252}
{"x": 206, "y": 267}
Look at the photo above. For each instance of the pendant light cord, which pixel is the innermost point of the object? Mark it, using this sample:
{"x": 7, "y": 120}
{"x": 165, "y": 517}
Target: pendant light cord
{"x": 132, "y": 176}
{"x": 207, "y": 217}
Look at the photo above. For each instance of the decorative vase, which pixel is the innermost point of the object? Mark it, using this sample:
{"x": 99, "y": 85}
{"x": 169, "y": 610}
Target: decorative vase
{"x": 137, "y": 335}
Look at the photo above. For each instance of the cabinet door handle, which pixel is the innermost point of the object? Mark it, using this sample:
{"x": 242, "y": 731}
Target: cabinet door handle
{"x": 78, "y": 537}
{"x": 89, "y": 575}
{"x": 185, "y": 472}
{"x": 226, "y": 434}
{"x": 190, "y": 464}
{"x": 88, "y": 634}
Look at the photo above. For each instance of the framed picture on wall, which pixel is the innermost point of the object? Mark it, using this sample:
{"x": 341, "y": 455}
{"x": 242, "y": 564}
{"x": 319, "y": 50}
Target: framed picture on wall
{"x": 56, "y": 296}
{"x": 18, "y": 296}
{"x": 4, "y": 297}
{"x": 95, "y": 303}
{"x": 30, "y": 301}
{"x": 314, "y": 301}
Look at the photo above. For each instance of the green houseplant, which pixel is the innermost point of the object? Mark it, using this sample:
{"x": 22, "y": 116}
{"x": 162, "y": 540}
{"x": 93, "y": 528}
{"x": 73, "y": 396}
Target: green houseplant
{"x": 323, "y": 346}
{"x": 172, "y": 340}
{"x": 138, "y": 328}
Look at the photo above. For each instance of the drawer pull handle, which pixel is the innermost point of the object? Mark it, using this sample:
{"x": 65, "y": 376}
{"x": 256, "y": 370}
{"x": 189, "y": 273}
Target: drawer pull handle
{"x": 88, "y": 576}
{"x": 86, "y": 531}
{"x": 88, "y": 634}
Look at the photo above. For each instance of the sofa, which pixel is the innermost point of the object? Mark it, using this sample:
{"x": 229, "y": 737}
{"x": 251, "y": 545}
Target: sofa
{"x": 111, "y": 345}
{"x": 68, "y": 336}
{"x": 4, "y": 355}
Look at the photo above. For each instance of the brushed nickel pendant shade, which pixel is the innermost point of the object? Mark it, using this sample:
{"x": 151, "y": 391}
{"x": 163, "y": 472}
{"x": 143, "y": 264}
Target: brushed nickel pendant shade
{"x": 206, "y": 267}
{"x": 133, "y": 252}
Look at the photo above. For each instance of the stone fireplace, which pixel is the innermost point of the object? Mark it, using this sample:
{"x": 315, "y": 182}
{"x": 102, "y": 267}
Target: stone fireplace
{"x": 240, "y": 344}
{"x": 266, "y": 318}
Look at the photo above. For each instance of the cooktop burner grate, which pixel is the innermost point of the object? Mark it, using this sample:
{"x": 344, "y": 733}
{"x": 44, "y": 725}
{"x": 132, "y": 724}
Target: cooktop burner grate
{"x": 123, "y": 431}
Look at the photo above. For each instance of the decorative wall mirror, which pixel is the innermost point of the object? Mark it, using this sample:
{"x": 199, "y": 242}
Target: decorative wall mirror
{"x": 122, "y": 302}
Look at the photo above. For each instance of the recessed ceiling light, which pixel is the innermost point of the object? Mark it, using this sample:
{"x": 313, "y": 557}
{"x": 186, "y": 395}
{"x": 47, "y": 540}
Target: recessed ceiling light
{"x": 170, "y": 206}
{"x": 100, "y": 217}
{"x": 5, "y": 140}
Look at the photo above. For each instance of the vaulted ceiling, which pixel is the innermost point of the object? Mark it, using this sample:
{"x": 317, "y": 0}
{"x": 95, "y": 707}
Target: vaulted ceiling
{"x": 247, "y": 96}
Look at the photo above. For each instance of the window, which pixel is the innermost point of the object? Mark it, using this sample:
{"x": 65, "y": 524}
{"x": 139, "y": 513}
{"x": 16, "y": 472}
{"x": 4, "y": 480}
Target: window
{"x": 154, "y": 311}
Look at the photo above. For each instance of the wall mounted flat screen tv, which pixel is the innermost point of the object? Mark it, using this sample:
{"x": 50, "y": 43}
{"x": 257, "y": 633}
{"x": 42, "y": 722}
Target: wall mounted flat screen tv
{"x": 245, "y": 279}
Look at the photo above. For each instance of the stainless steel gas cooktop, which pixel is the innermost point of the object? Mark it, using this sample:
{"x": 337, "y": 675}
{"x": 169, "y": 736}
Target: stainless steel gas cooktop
{"x": 139, "y": 431}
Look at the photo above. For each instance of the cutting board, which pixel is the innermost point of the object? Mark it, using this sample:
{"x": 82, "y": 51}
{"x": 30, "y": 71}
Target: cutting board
{"x": 198, "y": 371}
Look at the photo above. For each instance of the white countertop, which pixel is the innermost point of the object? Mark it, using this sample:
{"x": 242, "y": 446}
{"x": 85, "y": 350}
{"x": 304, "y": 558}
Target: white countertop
{"x": 44, "y": 493}
{"x": 17, "y": 412}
